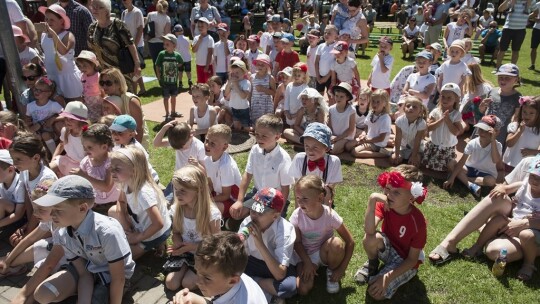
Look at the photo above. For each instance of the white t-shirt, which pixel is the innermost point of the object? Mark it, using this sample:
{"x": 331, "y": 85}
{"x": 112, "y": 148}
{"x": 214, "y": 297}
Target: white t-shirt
{"x": 379, "y": 79}
{"x": 133, "y": 21}
{"x": 311, "y": 56}
{"x": 189, "y": 227}
{"x": 219, "y": 54}
{"x": 420, "y": 82}
{"x": 195, "y": 150}
{"x": 138, "y": 145}
{"x": 292, "y": 101}
{"x": 380, "y": 125}
{"x": 452, "y": 72}
{"x": 40, "y": 113}
{"x": 442, "y": 136}
{"x": 74, "y": 148}
{"x": 160, "y": 20}
{"x": 279, "y": 239}
{"x": 527, "y": 140}
{"x": 237, "y": 102}
{"x": 340, "y": 121}
{"x": 223, "y": 173}
{"x": 147, "y": 198}
{"x": 455, "y": 32}
{"x": 409, "y": 130}
{"x": 325, "y": 58}
{"x": 45, "y": 174}
{"x": 334, "y": 175}
{"x": 183, "y": 47}
{"x": 526, "y": 204}
{"x": 27, "y": 55}
{"x": 202, "y": 51}
{"x": 480, "y": 158}
{"x": 520, "y": 172}
{"x": 344, "y": 71}
{"x": 266, "y": 40}
{"x": 269, "y": 169}
{"x": 246, "y": 291}
{"x": 485, "y": 22}
{"x": 411, "y": 32}
{"x": 15, "y": 192}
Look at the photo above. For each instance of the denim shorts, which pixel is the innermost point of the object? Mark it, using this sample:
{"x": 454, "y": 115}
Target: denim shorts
{"x": 185, "y": 67}
{"x": 147, "y": 246}
{"x": 473, "y": 172}
{"x": 169, "y": 90}
{"x": 241, "y": 115}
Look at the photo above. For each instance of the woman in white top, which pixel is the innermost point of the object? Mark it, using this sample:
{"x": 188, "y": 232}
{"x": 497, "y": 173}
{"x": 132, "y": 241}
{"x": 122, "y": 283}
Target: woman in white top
{"x": 162, "y": 26}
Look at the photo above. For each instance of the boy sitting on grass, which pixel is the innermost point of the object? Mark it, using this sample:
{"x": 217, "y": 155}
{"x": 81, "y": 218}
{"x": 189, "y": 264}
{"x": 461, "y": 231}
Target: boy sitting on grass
{"x": 220, "y": 261}
{"x": 403, "y": 235}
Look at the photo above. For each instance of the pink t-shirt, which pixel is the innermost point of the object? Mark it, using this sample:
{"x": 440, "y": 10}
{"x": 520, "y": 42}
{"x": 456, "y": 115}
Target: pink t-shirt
{"x": 99, "y": 173}
{"x": 316, "y": 232}
{"x": 90, "y": 85}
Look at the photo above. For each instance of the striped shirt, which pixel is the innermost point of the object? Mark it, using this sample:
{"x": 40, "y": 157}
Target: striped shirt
{"x": 517, "y": 19}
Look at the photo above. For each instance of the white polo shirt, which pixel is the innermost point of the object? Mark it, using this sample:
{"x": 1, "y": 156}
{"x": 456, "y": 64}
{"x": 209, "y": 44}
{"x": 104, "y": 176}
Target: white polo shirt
{"x": 202, "y": 51}
{"x": 246, "y": 291}
{"x": 15, "y": 192}
{"x": 223, "y": 173}
{"x": 278, "y": 238}
{"x": 100, "y": 240}
{"x": 269, "y": 169}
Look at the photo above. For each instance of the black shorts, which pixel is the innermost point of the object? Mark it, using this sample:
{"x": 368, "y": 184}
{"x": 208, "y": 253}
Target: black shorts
{"x": 535, "y": 39}
{"x": 321, "y": 86}
{"x": 490, "y": 49}
{"x": 185, "y": 67}
{"x": 516, "y": 36}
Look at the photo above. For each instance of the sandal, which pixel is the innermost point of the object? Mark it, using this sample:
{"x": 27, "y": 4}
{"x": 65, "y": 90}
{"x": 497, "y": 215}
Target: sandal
{"x": 525, "y": 273}
{"x": 14, "y": 271}
{"x": 367, "y": 270}
{"x": 444, "y": 255}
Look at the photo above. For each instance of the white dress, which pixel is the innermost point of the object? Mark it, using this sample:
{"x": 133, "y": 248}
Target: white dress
{"x": 68, "y": 79}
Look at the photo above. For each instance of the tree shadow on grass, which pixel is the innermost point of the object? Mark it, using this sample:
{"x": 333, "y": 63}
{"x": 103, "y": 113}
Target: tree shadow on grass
{"x": 413, "y": 291}
{"x": 532, "y": 82}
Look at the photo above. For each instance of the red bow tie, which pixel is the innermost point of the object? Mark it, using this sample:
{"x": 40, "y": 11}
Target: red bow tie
{"x": 312, "y": 164}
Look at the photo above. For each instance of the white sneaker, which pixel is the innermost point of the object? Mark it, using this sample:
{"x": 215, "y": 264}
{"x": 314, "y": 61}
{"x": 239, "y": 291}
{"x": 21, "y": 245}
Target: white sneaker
{"x": 331, "y": 287}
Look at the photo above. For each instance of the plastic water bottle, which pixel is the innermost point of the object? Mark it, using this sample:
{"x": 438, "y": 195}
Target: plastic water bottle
{"x": 243, "y": 234}
{"x": 500, "y": 263}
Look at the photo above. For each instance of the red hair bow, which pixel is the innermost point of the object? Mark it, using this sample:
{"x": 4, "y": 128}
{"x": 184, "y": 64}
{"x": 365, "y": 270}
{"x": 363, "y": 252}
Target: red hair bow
{"x": 85, "y": 128}
{"x": 477, "y": 100}
{"x": 395, "y": 179}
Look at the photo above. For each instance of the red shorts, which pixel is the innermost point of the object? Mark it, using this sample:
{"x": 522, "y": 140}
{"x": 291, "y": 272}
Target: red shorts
{"x": 228, "y": 203}
{"x": 203, "y": 77}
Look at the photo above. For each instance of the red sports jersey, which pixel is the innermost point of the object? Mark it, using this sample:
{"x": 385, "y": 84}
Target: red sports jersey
{"x": 403, "y": 231}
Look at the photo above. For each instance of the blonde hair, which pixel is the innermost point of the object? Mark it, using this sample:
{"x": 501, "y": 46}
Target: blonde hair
{"x": 221, "y": 131}
{"x": 311, "y": 182}
{"x": 141, "y": 172}
{"x": 116, "y": 76}
{"x": 417, "y": 101}
{"x": 193, "y": 178}
{"x": 12, "y": 118}
{"x": 162, "y": 6}
{"x": 107, "y": 119}
{"x": 41, "y": 189}
{"x": 383, "y": 96}
{"x": 296, "y": 67}
{"x": 474, "y": 79}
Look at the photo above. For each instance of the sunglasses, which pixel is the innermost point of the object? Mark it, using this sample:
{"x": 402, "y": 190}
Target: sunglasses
{"x": 31, "y": 78}
{"x": 106, "y": 83}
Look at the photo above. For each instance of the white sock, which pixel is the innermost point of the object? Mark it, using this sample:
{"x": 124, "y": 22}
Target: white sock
{"x": 50, "y": 145}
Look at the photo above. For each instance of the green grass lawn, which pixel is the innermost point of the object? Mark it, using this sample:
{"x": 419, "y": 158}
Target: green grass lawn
{"x": 460, "y": 281}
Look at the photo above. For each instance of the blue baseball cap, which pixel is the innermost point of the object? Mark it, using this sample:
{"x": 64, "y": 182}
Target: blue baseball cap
{"x": 425, "y": 54}
{"x": 318, "y": 131}
{"x": 287, "y": 37}
{"x": 67, "y": 187}
{"x": 122, "y": 123}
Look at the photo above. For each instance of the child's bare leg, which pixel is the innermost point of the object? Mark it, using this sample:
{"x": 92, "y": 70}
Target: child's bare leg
{"x": 488, "y": 181}
{"x": 339, "y": 146}
{"x": 114, "y": 213}
{"x": 292, "y": 136}
{"x": 332, "y": 252}
{"x": 268, "y": 286}
{"x": 528, "y": 244}
{"x": 6, "y": 207}
{"x": 140, "y": 83}
{"x": 304, "y": 285}
{"x": 56, "y": 288}
{"x": 349, "y": 147}
{"x": 373, "y": 243}
{"x": 493, "y": 248}
{"x": 166, "y": 105}
{"x": 189, "y": 281}
{"x": 173, "y": 104}
{"x": 361, "y": 150}
{"x": 173, "y": 280}
{"x": 490, "y": 231}
{"x": 137, "y": 251}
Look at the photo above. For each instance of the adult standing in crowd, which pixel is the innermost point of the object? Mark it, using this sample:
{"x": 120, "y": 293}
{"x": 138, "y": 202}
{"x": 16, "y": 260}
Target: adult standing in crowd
{"x": 356, "y": 24}
{"x": 204, "y": 9}
{"x": 107, "y": 36}
{"x": 162, "y": 26}
{"x": 436, "y": 22}
{"x": 81, "y": 18}
{"x": 134, "y": 20}
{"x": 184, "y": 10}
{"x": 513, "y": 28}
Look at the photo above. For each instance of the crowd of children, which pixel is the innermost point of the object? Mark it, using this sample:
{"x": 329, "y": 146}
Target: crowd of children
{"x": 96, "y": 207}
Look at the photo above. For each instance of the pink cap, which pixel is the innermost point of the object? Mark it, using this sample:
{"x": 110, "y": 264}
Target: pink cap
{"x": 58, "y": 10}
{"x": 17, "y": 32}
